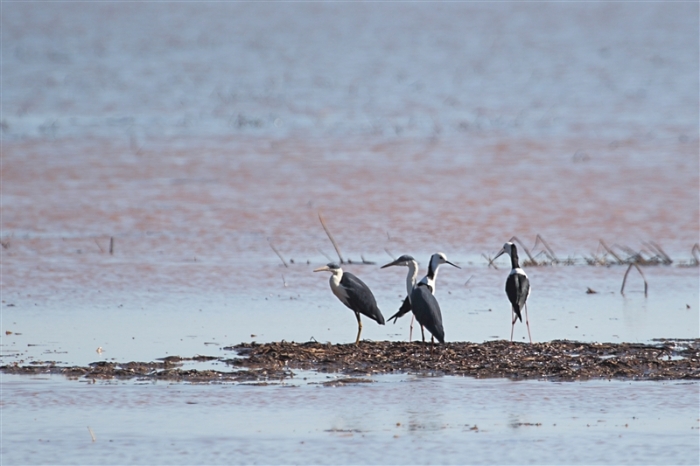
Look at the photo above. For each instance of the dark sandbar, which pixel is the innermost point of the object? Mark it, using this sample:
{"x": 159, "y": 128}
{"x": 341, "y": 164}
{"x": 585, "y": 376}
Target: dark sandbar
{"x": 275, "y": 362}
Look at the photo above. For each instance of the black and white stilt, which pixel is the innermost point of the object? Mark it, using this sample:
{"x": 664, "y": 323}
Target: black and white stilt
{"x": 517, "y": 288}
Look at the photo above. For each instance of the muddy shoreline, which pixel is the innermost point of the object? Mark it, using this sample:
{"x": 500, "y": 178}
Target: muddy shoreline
{"x": 276, "y": 362}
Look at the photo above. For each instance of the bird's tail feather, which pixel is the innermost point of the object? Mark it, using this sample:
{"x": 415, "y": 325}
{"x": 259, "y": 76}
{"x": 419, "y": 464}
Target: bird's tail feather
{"x": 517, "y": 313}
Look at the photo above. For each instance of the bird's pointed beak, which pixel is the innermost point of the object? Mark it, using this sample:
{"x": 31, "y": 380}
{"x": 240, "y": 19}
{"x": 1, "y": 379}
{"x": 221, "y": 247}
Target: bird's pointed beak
{"x": 453, "y": 265}
{"x": 500, "y": 253}
{"x": 396, "y": 262}
{"x": 322, "y": 269}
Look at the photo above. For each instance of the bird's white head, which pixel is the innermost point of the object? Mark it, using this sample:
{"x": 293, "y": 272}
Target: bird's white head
{"x": 507, "y": 248}
{"x": 331, "y": 267}
{"x": 438, "y": 259}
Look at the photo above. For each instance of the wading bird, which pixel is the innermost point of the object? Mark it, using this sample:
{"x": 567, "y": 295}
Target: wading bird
{"x": 353, "y": 292}
{"x": 412, "y": 264}
{"x": 420, "y": 299}
{"x": 517, "y": 288}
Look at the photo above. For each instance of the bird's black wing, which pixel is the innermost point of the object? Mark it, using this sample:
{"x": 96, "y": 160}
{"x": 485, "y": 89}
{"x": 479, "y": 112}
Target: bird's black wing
{"x": 517, "y": 289}
{"x": 427, "y": 311}
{"x": 360, "y": 297}
{"x": 403, "y": 310}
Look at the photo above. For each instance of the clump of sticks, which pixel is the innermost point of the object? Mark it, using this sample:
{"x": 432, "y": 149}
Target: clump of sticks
{"x": 650, "y": 255}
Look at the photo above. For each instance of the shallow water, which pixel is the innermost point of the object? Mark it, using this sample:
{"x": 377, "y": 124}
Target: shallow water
{"x": 196, "y": 135}
{"x": 396, "y": 420}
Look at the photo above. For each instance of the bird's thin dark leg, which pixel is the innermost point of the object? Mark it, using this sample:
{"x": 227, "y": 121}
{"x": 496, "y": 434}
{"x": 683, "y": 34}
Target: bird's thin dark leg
{"x": 410, "y": 329}
{"x": 359, "y": 328}
{"x": 527, "y": 322}
{"x": 422, "y": 332}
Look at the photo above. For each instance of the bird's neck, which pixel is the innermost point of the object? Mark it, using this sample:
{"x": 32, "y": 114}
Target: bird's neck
{"x": 412, "y": 276}
{"x": 514, "y": 259}
{"x": 335, "y": 279}
{"x": 433, "y": 268}
{"x": 431, "y": 277}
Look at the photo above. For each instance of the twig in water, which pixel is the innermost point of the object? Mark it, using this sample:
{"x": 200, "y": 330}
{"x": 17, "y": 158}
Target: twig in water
{"x": 633, "y": 256}
{"x": 696, "y": 253}
{"x": 366, "y": 261}
{"x": 335, "y": 245}
{"x": 666, "y": 259}
{"x": 609, "y": 251}
{"x": 92, "y": 434}
{"x": 390, "y": 254}
{"x": 277, "y": 252}
{"x": 550, "y": 252}
{"x": 98, "y": 245}
{"x": 468, "y": 280}
{"x": 491, "y": 264}
{"x": 111, "y": 245}
{"x": 624, "y": 280}
{"x": 284, "y": 282}
{"x": 326, "y": 255}
{"x": 515, "y": 238}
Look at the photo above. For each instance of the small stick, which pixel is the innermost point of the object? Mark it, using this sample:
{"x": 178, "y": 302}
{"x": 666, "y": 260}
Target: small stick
{"x": 98, "y": 245}
{"x": 327, "y": 256}
{"x": 515, "y": 238}
{"x": 634, "y": 256}
{"x": 696, "y": 253}
{"x": 366, "y": 261}
{"x": 390, "y": 254}
{"x": 624, "y": 280}
{"x": 666, "y": 257}
{"x": 277, "y": 252}
{"x": 544, "y": 243}
{"x": 111, "y": 245}
{"x": 605, "y": 246}
{"x": 92, "y": 434}
{"x": 468, "y": 280}
{"x": 335, "y": 245}
{"x": 491, "y": 264}
{"x": 284, "y": 282}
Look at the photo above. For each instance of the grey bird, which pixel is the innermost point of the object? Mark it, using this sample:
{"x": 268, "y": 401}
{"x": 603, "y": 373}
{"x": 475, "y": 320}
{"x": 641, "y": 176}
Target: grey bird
{"x": 421, "y": 299}
{"x": 353, "y": 292}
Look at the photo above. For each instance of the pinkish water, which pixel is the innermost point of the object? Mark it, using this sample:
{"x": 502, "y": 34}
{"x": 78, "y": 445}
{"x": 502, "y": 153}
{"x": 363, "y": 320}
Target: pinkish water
{"x": 197, "y": 134}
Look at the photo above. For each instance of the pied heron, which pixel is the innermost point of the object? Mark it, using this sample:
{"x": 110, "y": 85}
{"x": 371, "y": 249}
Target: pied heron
{"x": 353, "y": 292}
{"x": 421, "y": 299}
{"x": 411, "y": 277}
{"x": 517, "y": 287}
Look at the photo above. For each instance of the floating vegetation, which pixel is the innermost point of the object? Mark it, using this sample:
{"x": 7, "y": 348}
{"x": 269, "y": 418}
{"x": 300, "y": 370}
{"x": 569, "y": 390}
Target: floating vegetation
{"x": 275, "y": 362}
{"x": 559, "y": 359}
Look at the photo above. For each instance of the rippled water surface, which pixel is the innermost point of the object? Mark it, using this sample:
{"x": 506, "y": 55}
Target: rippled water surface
{"x": 396, "y": 420}
{"x": 189, "y": 138}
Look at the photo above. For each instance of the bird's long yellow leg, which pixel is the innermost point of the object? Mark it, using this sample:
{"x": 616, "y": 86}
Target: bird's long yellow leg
{"x": 359, "y": 328}
{"x": 512, "y": 326}
{"x": 527, "y": 322}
